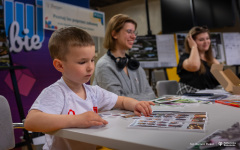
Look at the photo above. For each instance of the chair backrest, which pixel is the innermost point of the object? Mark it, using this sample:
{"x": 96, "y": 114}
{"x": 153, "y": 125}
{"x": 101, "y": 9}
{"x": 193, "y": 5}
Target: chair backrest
{"x": 167, "y": 87}
{"x": 7, "y": 139}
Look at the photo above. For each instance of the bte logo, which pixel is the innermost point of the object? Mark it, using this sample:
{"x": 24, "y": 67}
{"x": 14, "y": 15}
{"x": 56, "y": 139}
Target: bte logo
{"x": 71, "y": 112}
{"x": 20, "y": 25}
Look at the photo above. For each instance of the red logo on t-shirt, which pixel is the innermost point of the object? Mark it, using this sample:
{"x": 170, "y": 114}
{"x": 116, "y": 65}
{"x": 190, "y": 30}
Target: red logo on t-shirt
{"x": 95, "y": 109}
{"x": 71, "y": 112}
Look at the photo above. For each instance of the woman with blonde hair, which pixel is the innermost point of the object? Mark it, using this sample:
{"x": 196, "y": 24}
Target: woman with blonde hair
{"x": 194, "y": 65}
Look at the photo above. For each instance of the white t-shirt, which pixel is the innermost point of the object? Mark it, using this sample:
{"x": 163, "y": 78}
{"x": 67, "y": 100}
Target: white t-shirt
{"x": 58, "y": 98}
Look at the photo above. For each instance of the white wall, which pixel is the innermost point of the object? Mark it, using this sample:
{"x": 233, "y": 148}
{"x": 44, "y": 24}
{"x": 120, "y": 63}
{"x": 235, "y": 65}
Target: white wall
{"x": 136, "y": 9}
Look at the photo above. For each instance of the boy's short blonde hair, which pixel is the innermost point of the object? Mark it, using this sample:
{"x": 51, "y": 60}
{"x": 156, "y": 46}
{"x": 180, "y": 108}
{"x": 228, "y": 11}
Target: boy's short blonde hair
{"x": 63, "y": 38}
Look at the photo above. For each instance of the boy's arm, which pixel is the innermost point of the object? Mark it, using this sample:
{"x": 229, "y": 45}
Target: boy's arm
{"x": 137, "y": 106}
{"x": 38, "y": 121}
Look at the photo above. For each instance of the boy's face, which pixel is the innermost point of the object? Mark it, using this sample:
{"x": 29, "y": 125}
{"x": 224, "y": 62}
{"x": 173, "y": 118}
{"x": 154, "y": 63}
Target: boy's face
{"x": 79, "y": 65}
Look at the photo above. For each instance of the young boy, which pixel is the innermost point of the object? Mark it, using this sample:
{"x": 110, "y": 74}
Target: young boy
{"x": 70, "y": 102}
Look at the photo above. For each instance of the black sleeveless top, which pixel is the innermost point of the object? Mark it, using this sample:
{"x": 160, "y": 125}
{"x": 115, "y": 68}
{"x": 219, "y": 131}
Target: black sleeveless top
{"x": 194, "y": 79}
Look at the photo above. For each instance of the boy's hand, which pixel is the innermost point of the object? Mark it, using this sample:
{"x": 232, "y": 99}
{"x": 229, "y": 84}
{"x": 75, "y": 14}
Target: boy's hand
{"x": 143, "y": 107}
{"x": 89, "y": 119}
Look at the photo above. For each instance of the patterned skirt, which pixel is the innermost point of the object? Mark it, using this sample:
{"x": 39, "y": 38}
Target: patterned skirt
{"x": 184, "y": 88}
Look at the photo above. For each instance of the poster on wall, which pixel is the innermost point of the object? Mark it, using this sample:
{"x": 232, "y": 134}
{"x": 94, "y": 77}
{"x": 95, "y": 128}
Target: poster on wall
{"x": 232, "y": 48}
{"x": 180, "y": 43}
{"x": 144, "y": 48}
{"x": 166, "y": 50}
{"x": 216, "y": 43}
{"x": 58, "y": 15}
{"x": 217, "y": 46}
{"x": 156, "y": 51}
{"x": 4, "y": 50}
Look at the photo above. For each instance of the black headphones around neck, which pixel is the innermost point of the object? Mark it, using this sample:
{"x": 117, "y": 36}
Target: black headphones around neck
{"x": 121, "y": 62}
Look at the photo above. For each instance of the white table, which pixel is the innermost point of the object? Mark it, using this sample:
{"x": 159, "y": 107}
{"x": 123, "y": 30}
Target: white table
{"x": 116, "y": 134}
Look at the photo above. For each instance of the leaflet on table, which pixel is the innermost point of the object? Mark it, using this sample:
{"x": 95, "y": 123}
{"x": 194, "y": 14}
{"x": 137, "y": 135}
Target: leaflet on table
{"x": 214, "y": 91}
{"x": 175, "y": 101}
{"x": 186, "y": 121}
{"x": 220, "y": 139}
{"x": 165, "y": 99}
{"x": 213, "y": 98}
{"x": 119, "y": 114}
{"x": 187, "y": 99}
{"x": 232, "y": 97}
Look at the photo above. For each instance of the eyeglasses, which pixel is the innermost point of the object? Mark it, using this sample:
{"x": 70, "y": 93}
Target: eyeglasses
{"x": 130, "y": 31}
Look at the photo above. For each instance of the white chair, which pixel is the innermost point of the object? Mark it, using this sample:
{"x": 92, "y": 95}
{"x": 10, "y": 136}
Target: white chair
{"x": 7, "y": 140}
{"x": 167, "y": 87}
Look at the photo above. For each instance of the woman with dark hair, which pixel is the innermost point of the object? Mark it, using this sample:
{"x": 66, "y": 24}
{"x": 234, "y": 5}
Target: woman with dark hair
{"x": 194, "y": 65}
{"x": 116, "y": 71}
